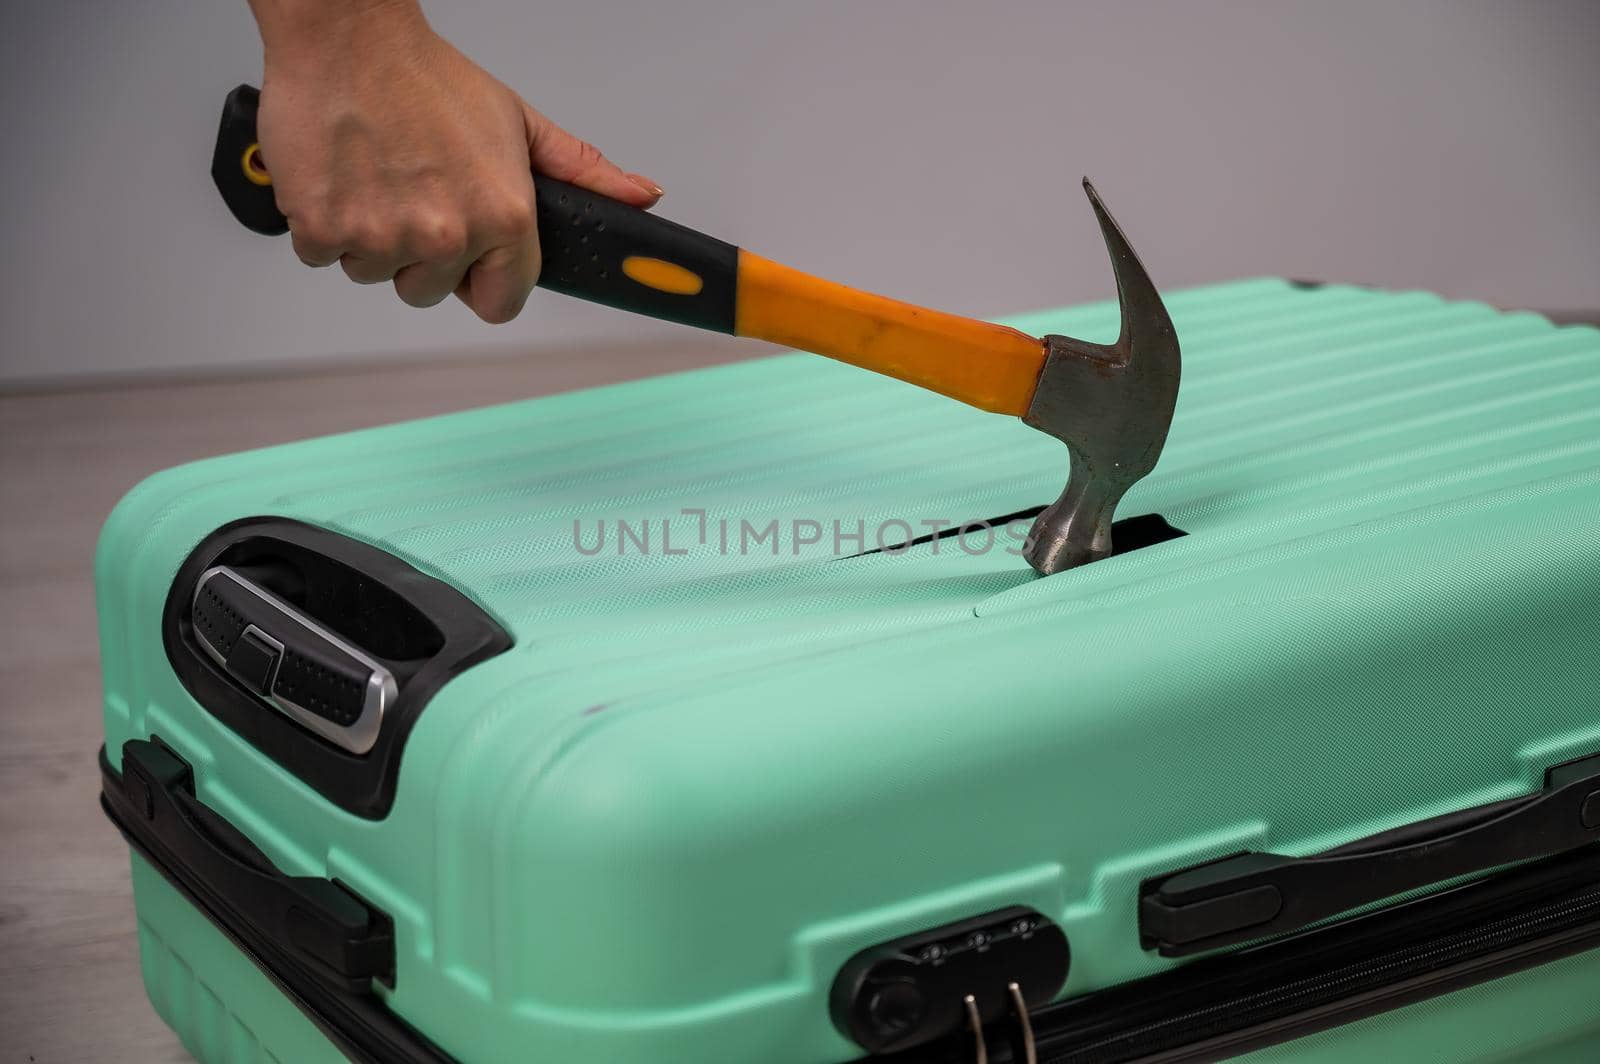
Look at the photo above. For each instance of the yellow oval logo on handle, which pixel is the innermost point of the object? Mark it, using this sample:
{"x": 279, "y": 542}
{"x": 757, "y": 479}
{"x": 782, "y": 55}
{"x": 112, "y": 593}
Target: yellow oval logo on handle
{"x": 663, "y": 276}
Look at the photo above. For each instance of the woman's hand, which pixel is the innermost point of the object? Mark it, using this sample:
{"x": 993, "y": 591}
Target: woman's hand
{"x": 394, "y": 155}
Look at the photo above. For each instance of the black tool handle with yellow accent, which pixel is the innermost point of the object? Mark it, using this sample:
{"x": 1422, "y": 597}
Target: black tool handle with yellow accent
{"x": 593, "y": 247}
{"x": 607, "y": 252}
{"x": 237, "y": 168}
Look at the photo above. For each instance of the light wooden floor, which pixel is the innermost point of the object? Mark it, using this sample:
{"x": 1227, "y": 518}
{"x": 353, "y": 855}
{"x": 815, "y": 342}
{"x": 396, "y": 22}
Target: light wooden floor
{"x": 69, "y": 975}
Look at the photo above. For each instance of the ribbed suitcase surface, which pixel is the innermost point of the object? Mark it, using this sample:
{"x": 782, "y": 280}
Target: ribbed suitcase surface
{"x": 717, "y": 763}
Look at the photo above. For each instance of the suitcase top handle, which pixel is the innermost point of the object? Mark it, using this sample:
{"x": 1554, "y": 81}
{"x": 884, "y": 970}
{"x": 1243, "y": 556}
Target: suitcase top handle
{"x": 319, "y": 650}
{"x": 321, "y": 680}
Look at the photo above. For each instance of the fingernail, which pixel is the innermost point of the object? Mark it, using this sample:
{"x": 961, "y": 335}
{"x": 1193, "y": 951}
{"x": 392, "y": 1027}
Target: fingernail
{"x": 646, "y": 184}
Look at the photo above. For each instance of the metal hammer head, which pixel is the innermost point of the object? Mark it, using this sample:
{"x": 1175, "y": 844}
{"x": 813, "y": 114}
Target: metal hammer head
{"x": 1111, "y": 405}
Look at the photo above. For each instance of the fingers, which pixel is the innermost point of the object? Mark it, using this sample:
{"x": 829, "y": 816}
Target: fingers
{"x": 556, "y": 153}
{"x": 486, "y": 250}
{"x": 498, "y": 283}
{"x": 446, "y": 210}
{"x": 375, "y": 270}
{"x": 312, "y": 247}
{"x": 366, "y": 253}
{"x": 425, "y": 284}
{"x": 376, "y": 249}
{"x": 438, "y": 253}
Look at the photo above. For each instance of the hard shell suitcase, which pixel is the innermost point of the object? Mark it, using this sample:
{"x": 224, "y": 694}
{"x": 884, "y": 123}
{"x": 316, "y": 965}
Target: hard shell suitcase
{"x": 714, "y": 718}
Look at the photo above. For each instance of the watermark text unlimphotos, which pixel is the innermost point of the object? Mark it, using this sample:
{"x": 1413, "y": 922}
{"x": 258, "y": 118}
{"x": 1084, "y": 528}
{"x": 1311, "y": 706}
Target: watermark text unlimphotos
{"x": 693, "y": 530}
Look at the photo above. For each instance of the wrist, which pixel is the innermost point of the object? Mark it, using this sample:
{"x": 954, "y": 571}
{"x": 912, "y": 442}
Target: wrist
{"x": 290, "y": 26}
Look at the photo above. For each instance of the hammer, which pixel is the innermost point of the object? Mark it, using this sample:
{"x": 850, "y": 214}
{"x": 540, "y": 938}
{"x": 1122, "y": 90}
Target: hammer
{"x": 1110, "y": 404}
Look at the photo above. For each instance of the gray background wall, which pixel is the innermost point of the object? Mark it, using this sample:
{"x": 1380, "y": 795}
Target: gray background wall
{"x": 927, "y": 150}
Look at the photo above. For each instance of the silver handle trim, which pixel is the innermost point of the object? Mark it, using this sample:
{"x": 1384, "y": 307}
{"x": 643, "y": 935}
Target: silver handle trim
{"x": 381, "y": 689}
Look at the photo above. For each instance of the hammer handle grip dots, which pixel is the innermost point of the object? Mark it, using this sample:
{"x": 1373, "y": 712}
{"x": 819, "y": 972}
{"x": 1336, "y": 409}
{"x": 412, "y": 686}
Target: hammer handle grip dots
{"x": 597, "y": 249}
{"x": 605, "y": 252}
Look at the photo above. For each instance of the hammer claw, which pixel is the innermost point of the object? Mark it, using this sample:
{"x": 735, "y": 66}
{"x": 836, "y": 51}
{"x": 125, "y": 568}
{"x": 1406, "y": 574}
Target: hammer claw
{"x": 1110, "y": 404}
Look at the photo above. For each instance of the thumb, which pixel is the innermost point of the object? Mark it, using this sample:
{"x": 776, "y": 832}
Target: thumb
{"x": 556, "y": 153}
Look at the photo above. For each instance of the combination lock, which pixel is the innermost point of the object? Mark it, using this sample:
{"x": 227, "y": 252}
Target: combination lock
{"x": 917, "y": 989}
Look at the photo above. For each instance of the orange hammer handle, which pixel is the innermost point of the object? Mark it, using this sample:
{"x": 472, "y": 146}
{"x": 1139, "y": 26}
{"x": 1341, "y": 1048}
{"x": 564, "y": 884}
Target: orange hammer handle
{"x": 988, "y": 366}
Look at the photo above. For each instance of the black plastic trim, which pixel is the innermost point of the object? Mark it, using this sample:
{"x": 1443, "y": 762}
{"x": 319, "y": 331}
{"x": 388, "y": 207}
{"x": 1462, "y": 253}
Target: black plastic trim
{"x": 347, "y": 1011}
{"x": 1253, "y": 895}
{"x": 327, "y": 929}
{"x": 422, "y": 629}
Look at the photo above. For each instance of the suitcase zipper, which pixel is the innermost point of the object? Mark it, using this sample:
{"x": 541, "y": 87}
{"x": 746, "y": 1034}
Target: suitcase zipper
{"x": 1381, "y": 976}
{"x": 1345, "y": 982}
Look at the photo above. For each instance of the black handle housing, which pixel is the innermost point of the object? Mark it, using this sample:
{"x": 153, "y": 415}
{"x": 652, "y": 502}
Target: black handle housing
{"x": 329, "y": 931}
{"x": 1254, "y": 895}
{"x": 343, "y": 624}
{"x": 594, "y": 248}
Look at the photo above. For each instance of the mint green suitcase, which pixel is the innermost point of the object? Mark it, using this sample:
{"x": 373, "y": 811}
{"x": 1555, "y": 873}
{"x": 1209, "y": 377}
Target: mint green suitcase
{"x": 600, "y": 728}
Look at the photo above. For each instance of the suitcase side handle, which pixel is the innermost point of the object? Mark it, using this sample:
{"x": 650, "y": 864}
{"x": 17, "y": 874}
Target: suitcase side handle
{"x": 1253, "y": 895}
{"x": 328, "y": 930}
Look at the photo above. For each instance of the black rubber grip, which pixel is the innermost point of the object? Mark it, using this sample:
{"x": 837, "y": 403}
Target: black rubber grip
{"x": 289, "y": 658}
{"x": 604, "y": 251}
{"x": 1254, "y": 895}
{"x": 594, "y": 248}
